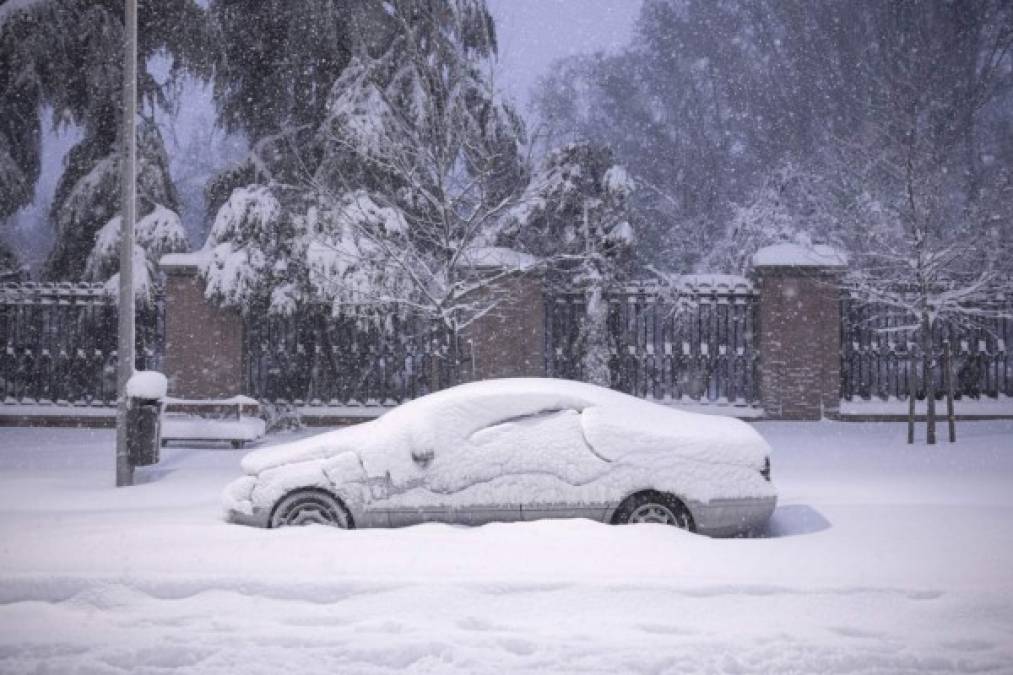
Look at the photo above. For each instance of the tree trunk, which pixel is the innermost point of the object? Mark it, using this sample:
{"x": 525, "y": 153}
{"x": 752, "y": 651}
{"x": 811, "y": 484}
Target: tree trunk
{"x": 951, "y": 419}
{"x": 594, "y": 338}
{"x": 912, "y": 391}
{"x": 930, "y": 385}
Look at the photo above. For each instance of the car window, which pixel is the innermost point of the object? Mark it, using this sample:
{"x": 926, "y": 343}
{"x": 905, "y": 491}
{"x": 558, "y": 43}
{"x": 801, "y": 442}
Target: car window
{"x": 514, "y": 422}
{"x": 547, "y": 442}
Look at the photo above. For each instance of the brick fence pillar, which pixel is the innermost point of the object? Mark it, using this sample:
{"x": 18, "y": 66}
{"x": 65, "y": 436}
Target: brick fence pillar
{"x": 799, "y": 337}
{"x": 203, "y": 342}
{"x": 509, "y": 341}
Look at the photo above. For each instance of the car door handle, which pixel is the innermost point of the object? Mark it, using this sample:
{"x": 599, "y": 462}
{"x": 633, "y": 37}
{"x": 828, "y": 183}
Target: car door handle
{"x": 423, "y": 457}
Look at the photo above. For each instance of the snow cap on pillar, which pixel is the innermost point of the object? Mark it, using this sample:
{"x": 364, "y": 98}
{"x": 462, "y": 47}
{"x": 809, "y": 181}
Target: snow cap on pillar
{"x": 791, "y": 254}
{"x": 497, "y": 257}
{"x": 184, "y": 263}
{"x": 798, "y": 329}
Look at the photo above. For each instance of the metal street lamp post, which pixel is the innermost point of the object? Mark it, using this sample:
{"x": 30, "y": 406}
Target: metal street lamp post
{"x": 128, "y": 203}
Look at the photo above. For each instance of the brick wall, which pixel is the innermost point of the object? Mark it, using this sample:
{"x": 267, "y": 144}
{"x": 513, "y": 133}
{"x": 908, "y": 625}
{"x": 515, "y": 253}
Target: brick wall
{"x": 798, "y": 338}
{"x": 509, "y": 341}
{"x": 799, "y": 341}
{"x": 203, "y": 343}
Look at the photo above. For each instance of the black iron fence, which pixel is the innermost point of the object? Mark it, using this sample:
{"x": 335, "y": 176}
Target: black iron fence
{"x": 880, "y": 352}
{"x": 59, "y": 342}
{"x": 694, "y": 341}
{"x": 313, "y": 358}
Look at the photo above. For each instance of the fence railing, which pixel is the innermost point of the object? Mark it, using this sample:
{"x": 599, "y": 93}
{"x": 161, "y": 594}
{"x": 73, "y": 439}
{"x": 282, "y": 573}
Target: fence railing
{"x": 58, "y": 342}
{"x": 316, "y": 359}
{"x": 694, "y": 341}
{"x": 880, "y": 353}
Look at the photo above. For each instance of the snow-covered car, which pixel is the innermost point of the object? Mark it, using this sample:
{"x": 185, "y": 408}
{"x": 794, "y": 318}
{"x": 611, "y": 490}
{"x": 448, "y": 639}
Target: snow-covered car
{"x": 512, "y": 450}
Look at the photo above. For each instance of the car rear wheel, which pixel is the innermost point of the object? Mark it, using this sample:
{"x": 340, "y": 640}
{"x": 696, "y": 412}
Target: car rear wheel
{"x": 310, "y": 507}
{"x": 653, "y": 507}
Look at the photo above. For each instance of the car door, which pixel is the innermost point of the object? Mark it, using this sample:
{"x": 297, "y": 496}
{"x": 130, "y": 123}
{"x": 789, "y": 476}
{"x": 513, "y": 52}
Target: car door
{"x": 566, "y": 485}
{"x": 441, "y": 494}
{"x": 544, "y": 465}
{"x": 525, "y": 466}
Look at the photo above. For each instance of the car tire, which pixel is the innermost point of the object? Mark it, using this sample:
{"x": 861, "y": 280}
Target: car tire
{"x": 310, "y": 507}
{"x": 653, "y": 507}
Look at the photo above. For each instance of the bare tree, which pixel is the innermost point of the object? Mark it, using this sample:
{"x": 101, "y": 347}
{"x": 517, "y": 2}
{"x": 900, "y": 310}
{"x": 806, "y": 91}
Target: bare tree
{"x": 917, "y": 248}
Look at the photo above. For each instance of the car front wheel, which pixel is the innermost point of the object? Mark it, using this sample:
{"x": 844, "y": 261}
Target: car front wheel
{"x": 310, "y": 507}
{"x": 653, "y": 507}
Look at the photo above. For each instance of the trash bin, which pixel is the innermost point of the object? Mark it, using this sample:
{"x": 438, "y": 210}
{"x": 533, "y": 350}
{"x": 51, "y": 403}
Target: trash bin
{"x": 145, "y": 392}
{"x": 144, "y": 431}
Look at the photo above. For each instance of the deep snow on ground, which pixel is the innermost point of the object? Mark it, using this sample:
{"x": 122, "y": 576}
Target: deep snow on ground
{"x": 880, "y": 558}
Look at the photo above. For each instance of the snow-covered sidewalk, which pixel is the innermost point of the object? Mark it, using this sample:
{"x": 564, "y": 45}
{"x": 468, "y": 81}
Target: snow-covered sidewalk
{"x": 1001, "y": 406}
{"x": 881, "y": 558}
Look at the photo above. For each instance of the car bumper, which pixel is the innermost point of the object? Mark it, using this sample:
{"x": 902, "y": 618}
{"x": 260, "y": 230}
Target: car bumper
{"x": 258, "y": 518}
{"x": 238, "y": 506}
{"x": 732, "y": 517}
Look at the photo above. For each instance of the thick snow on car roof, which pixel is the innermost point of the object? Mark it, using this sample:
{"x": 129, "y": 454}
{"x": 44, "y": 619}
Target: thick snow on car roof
{"x": 614, "y": 425}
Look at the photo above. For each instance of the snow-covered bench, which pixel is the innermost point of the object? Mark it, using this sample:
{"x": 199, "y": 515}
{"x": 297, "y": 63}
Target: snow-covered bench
{"x": 234, "y": 420}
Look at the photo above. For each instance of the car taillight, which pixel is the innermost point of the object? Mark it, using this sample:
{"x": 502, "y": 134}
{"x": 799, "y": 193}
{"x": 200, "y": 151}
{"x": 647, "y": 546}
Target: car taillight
{"x": 765, "y": 471}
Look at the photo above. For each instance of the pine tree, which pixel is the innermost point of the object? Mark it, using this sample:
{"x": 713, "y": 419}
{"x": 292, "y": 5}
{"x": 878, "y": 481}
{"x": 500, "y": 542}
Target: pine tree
{"x": 574, "y": 215}
{"x": 156, "y": 234}
{"x": 66, "y": 54}
{"x": 413, "y": 161}
{"x": 274, "y": 68}
{"x": 87, "y": 196}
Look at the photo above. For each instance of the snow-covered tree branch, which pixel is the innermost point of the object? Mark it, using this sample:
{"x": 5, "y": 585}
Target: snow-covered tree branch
{"x": 391, "y": 204}
{"x": 574, "y": 216}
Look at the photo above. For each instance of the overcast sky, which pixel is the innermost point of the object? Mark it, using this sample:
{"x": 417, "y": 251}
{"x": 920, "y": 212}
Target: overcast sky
{"x": 534, "y": 33}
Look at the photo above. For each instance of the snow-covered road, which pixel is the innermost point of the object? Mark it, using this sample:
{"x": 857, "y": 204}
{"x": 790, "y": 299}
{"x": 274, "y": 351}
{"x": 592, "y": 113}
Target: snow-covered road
{"x": 881, "y": 558}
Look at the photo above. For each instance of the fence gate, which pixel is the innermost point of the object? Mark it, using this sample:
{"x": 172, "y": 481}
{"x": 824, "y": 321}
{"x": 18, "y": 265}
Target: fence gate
{"x": 59, "y": 342}
{"x": 695, "y": 342}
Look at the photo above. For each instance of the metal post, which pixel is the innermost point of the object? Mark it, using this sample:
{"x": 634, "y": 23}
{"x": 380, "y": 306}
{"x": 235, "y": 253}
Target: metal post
{"x": 128, "y": 157}
{"x": 951, "y": 418}
{"x": 911, "y": 391}
{"x": 929, "y": 380}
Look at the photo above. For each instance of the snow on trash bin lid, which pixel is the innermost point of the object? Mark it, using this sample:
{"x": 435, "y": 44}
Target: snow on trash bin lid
{"x": 149, "y": 384}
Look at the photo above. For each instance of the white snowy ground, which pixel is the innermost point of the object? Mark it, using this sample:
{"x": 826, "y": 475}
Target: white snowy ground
{"x": 881, "y": 558}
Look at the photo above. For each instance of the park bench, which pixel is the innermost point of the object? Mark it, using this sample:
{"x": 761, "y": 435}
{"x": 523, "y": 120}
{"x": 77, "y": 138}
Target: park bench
{"x": 233, "y": 420}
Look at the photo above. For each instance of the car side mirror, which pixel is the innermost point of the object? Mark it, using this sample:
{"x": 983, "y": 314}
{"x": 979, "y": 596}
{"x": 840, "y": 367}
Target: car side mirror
{"x": 423, "y": 457}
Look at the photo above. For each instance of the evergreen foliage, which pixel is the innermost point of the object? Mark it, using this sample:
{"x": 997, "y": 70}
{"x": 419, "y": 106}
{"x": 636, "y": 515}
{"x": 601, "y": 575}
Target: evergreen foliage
{"x": 574, "y": 215}
{"x": 67, "y": 54}
{"x": 413, "y": 161}
{"x": 156, "y": 234}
